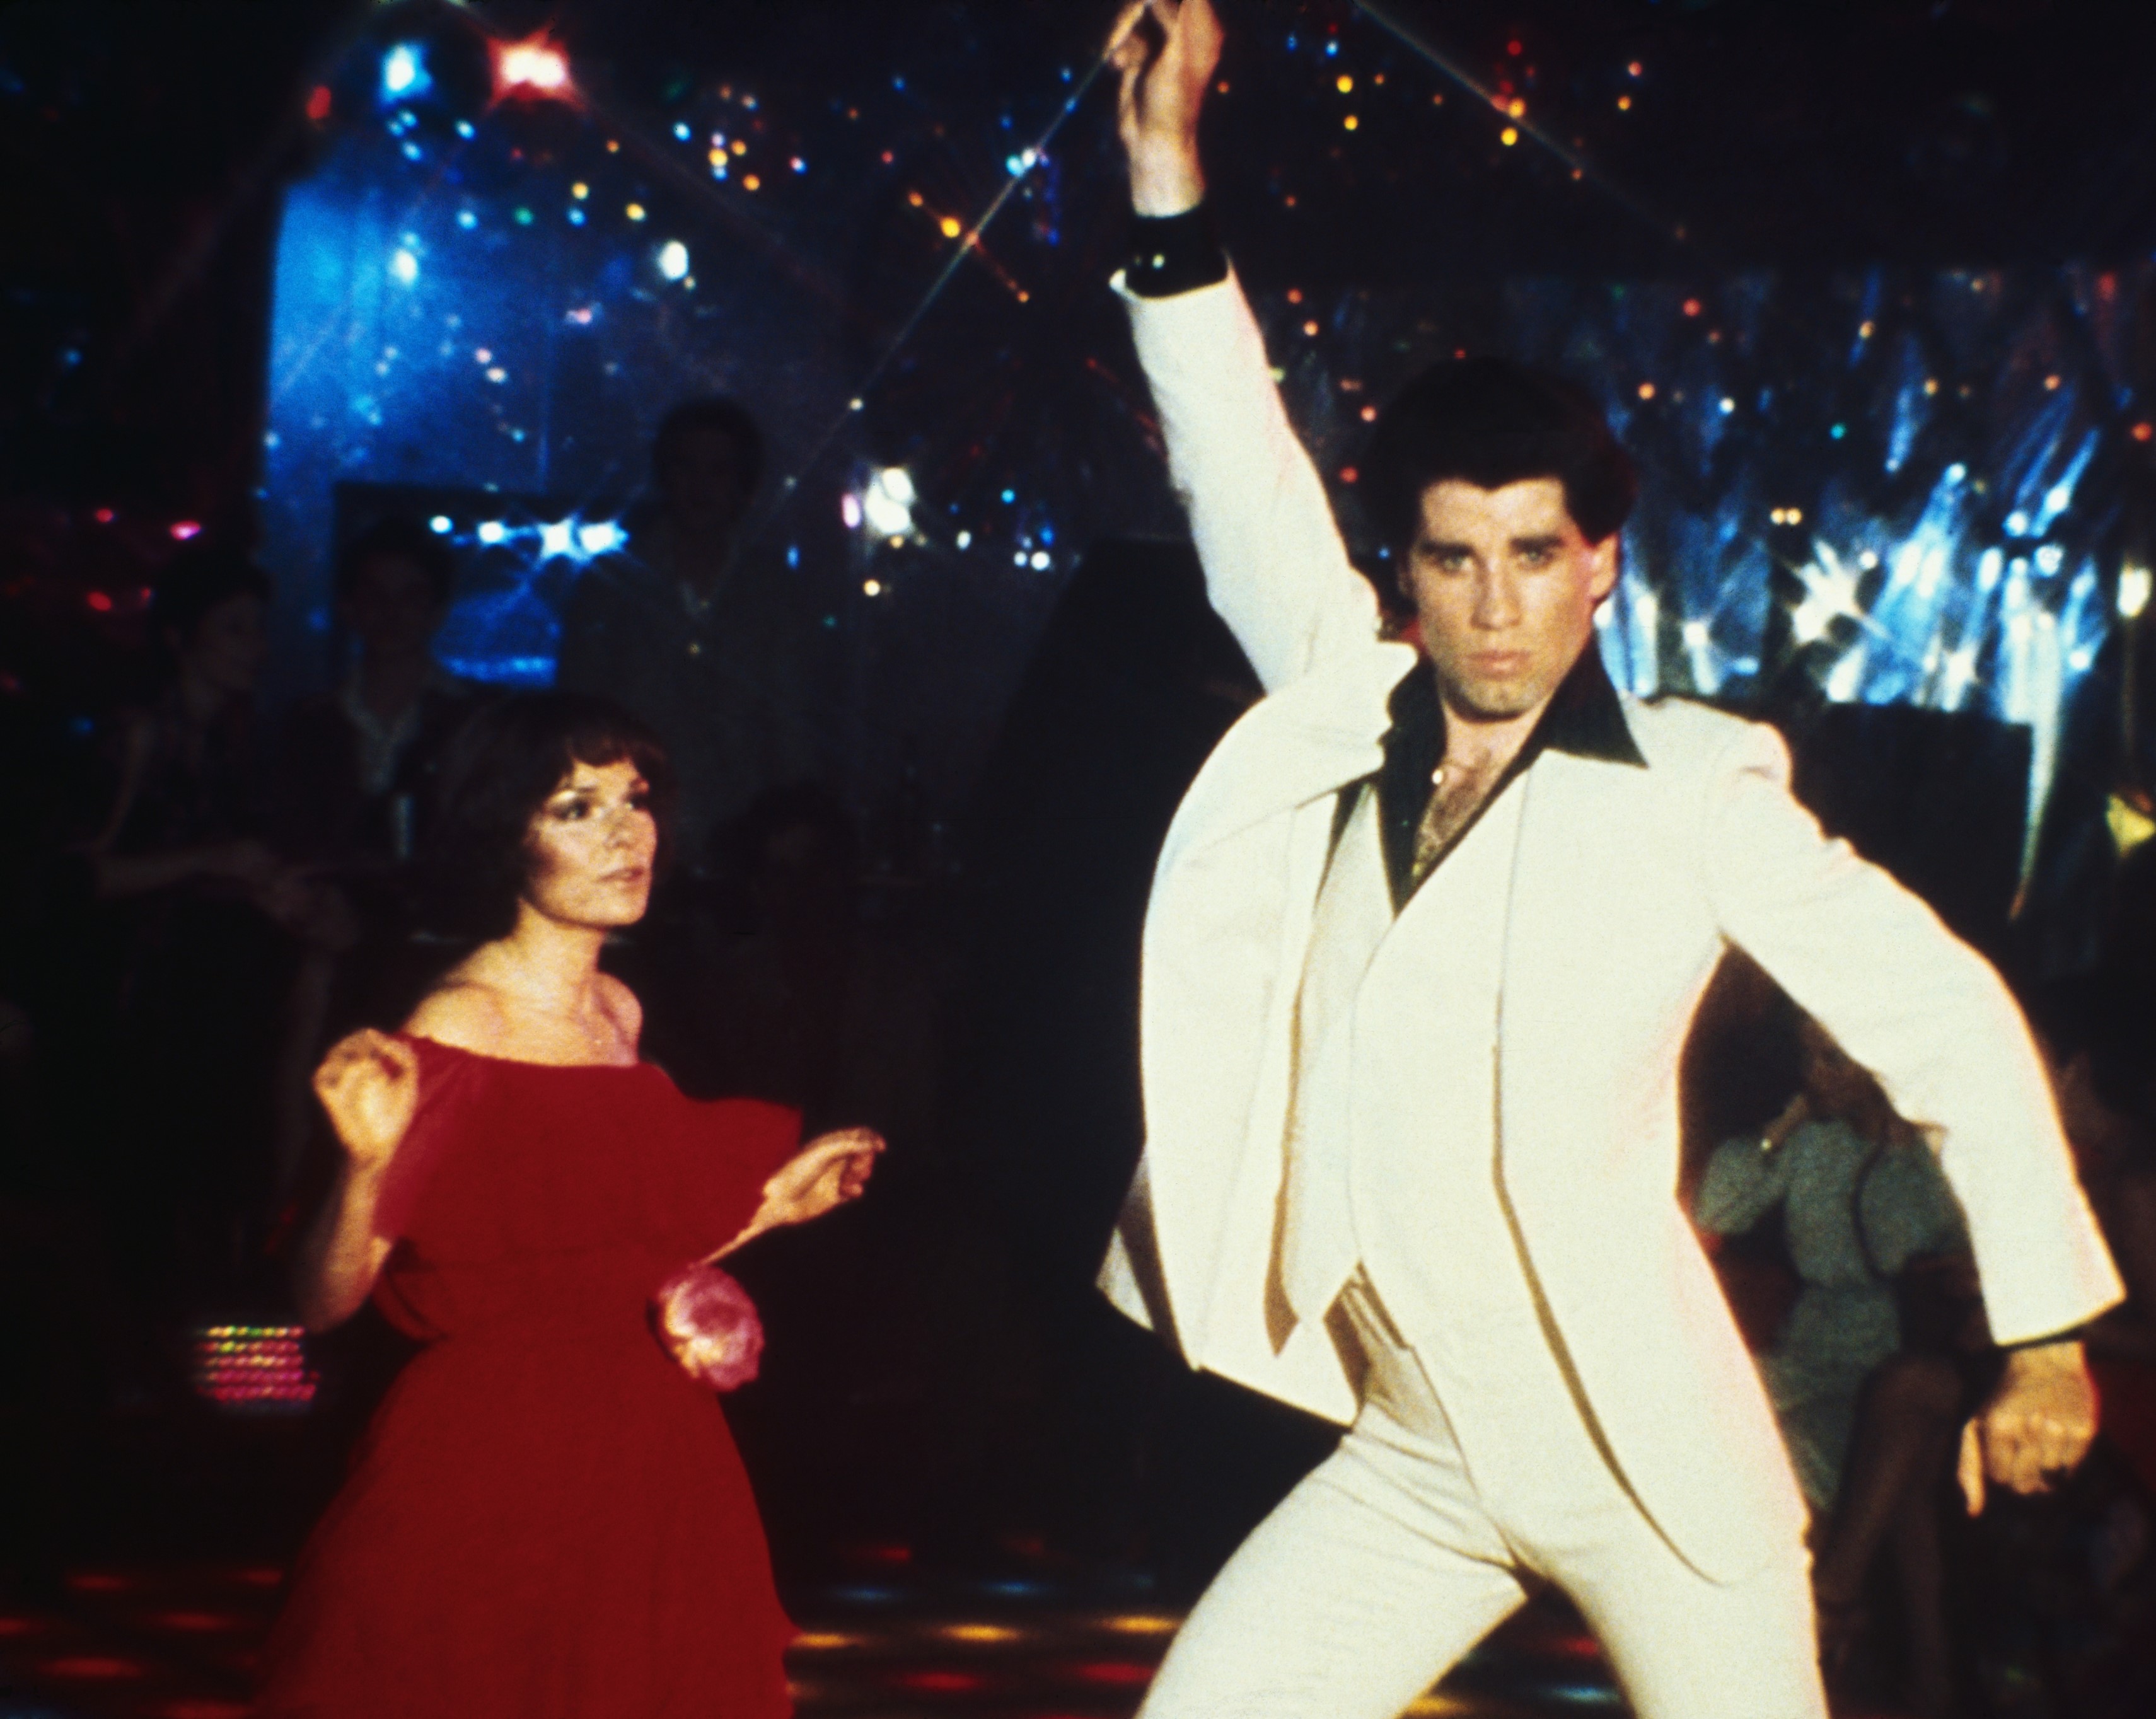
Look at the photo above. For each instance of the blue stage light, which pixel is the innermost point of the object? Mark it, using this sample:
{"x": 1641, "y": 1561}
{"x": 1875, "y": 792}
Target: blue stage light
{"x": 404, "y": 74}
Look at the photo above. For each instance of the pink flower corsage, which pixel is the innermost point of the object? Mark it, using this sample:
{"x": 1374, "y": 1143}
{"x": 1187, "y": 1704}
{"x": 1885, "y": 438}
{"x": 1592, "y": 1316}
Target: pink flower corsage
{"x": 708, "y": 1324}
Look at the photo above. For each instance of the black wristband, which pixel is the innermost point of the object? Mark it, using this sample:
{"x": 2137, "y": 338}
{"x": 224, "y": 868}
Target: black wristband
{"x": 1173, "y": 253}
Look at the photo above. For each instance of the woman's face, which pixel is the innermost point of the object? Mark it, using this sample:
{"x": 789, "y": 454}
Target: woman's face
{"x": 225, "y": 651}
{"x": 591, "y": 847}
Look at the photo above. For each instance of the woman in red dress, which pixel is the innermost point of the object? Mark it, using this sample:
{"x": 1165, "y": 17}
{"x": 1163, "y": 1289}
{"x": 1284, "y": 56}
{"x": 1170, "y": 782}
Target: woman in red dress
{"x": 547, "y": 1518}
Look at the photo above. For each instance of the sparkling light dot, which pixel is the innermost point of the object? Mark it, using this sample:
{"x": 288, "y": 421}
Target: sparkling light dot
{"x": 1646, "y": 391}
{"x": 951, "y": 226}
{"x": 1623, "y": 103}
{"x": 635, "y": 212}
{"x": 1350, "y": 123}
{"x": 1508, "y": 136}
{"x": 674, "y": 259}
{"x": 872, "y": 587}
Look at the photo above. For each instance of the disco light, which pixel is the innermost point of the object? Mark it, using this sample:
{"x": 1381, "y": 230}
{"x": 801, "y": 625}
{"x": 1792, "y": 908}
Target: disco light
{"x": 530, "y": 69}
{"x": 2133, "y": 588}
{"x": 404, "y": 72}
{"x": 887, "y": 504}
{"x": 257, "y": 1367}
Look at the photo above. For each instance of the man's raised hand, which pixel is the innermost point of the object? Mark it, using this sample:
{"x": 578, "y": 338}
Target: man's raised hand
{"x": 1165, "y": 52}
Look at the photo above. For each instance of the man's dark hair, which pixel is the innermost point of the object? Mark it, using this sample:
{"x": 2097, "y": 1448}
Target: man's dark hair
{"x": 502, "y": 766}
{"x": 407, "y": 540}
{"x": 196, "y": 581}
{"x": 1491, "y": 423}
{"x": 713, "y": 412}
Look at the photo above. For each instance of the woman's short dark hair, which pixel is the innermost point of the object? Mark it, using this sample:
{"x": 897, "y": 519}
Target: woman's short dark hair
{"x": 713, "y": 412}
{"x": 1491, "y": 423}
{"x": 406, "y": 540}
{"x": 194, "y": 582}
{"x": 511, "y": 754}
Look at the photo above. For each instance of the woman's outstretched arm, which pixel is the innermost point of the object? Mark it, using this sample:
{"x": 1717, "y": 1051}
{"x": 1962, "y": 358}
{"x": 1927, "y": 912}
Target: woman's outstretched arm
{"x": 369, "y": 1084}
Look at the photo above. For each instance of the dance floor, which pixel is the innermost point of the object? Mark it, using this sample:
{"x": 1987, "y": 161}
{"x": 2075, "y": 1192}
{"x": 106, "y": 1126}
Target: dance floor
{"x": 181, "y": 1643}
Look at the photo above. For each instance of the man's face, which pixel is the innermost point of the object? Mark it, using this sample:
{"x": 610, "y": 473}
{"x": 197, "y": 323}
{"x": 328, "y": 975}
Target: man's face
{"x": 1505, "y": 585}
{"x": 703, "y": 483}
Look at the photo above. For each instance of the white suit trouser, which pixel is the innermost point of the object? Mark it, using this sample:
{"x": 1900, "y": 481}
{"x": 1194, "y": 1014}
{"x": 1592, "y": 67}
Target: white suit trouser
{"x": 1378, "y": 1573}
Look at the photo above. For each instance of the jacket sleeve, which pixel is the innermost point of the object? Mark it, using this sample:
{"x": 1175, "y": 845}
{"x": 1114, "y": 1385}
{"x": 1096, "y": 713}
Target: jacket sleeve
{"x": 1928, "y": 1016}
{"x": 1275, "y": 567}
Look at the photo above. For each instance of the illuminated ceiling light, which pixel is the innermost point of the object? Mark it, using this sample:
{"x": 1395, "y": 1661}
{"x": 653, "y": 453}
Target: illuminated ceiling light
{"x": 531, "y": 67}
{"x": 1694, "y": 633}
{"x": 2133, "y": 585}
{"x": 404, "y": 72}
{"x": 850, "y": 511}
{"x": 965, "y": 540}
{"x": 555, "y": 538}
{"x": 441, "y": 524}
{"x": 491, "y": 530}
{"x": 1042, "y": 560}
{"x": 635, "y": 212}
{"x": 887, "y": 503}
{"x": 674, "y": 259}
{"x": 872, "y": 587}
{"x": 600, "y": 537}
{"x": 403, "y": 268}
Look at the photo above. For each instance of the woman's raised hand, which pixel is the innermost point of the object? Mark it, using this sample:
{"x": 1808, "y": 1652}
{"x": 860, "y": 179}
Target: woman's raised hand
{"x": 369, "y": 1084}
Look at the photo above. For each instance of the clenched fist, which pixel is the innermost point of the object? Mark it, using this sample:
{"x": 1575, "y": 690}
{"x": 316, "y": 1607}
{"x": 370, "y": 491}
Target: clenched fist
{"x": 369, "y": 1084}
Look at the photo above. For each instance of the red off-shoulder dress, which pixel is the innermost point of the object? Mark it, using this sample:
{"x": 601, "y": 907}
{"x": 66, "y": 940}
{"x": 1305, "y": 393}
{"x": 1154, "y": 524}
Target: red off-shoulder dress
{"x": 547, "y": 1518}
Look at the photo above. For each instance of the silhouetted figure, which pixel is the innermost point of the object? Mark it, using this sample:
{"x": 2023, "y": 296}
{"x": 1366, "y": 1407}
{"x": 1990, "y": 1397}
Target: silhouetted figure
{"x": 218, "y": 928}
{"x": 703, "y": 636}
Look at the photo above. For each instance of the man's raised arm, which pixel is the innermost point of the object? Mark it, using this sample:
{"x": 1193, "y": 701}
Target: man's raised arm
{"x": 1274, "y": 565}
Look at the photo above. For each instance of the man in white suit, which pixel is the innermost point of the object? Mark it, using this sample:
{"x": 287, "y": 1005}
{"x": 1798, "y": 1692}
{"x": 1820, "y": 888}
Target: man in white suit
{"x": 1423, "y": 944}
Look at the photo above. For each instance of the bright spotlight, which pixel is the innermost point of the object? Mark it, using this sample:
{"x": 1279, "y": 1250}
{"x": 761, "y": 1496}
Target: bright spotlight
{"x": 530, "y": 68}
{"x": 404, "y": 72}
{"x": 600, "y": 537}
{"x": 404, "y": 268}
{"x": 555, "y": 538}
{"x": 491, "y": 530}
{"x": 674, "y": 259}
{"x": 2133, "y": 589}
{"x": 887, "y": 504}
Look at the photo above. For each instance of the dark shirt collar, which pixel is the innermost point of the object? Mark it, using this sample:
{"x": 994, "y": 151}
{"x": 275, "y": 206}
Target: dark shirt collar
{"x": 1583, "y": 717}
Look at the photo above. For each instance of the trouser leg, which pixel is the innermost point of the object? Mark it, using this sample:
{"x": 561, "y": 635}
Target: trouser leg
{"x": 1368, "y": 1583}
{"x": 1684, "y": 1647}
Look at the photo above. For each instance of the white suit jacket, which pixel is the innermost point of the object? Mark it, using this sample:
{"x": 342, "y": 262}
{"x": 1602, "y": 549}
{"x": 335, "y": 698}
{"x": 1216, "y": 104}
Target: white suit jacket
{"x": 1629, "y": 886}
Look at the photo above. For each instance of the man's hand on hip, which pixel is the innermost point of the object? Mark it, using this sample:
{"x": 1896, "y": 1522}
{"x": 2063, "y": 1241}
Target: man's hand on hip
{"x": 1165, "y": 51}
{"x": 2037, "y": 1426}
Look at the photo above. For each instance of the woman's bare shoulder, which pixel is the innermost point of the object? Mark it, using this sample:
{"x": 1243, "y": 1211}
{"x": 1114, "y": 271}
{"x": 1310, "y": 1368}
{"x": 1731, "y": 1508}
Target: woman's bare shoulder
{"x": 462, "y": 1012}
